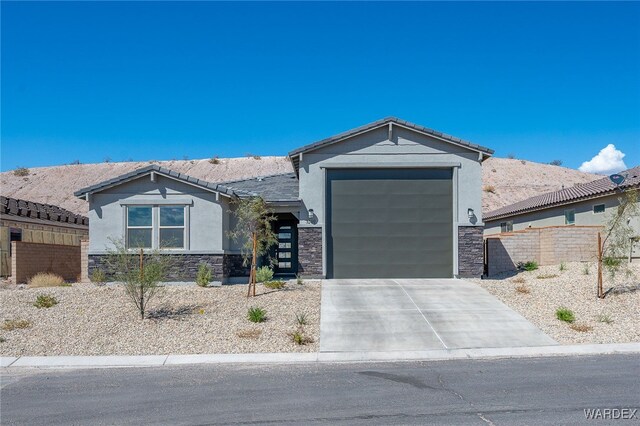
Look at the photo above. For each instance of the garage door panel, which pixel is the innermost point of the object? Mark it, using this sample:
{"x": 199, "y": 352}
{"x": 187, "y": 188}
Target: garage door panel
{"x": 389, "y": 223}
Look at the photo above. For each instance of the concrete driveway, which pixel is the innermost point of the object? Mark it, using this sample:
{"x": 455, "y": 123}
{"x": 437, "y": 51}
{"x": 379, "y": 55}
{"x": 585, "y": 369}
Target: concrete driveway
{"x": 418, "y": 314}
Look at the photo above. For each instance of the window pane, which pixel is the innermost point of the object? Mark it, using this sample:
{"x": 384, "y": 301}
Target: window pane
{"x": 284, "y": 235}
{"x": 569, "y": 216}
{"x": 598, "y": 208}
{"x": 284, "y": 264}
{"x": 139, "y": 238}
{"x": 284, "y": 255}
{"x": 172, "y": 216}
{"x": 139, "y": 216}
{"x": 172, "y": 238}
{"x": 284, "y": 245}
{"x": 285, "y": 228}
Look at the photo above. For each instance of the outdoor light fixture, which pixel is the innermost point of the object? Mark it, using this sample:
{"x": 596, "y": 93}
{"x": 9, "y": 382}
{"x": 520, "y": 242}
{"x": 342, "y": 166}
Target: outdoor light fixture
{"x": 470, "y": 213}
{"x": 312, "y": 215}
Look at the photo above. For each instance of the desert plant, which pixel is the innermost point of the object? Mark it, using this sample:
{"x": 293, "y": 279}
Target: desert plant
{"x": 256, "y": 314}
{"x": 98, "y": 276}
{"x": 10, "y": 325}
{"x": 215, "y": 160}
{"x": 107, "y": 159}
{"x": 264, "y": 274}
{"x": 511, "y": 156}
{"x": 585, "y": 269}
{"x": 254, "y": 232}
{"x": 299, "y": 338}
{"x": 563, "y": 266}
{"x": 301, "y": 318}
{"x": 546, "y": 276}
{"x": 582, "y": 328}
{"x": 139, "y": 272}
{"x": 249, "y": 333}
{"x": 523, "y": 289}
{"x": 519, "y": 280}
{"x": 275, "y": 285}
{"x": 565, "y": 314}
{"x": 604, "y": 318}
{"x": 489, "y": 188}
{"x": 203, "y": 277}
{"x": 531, "y": 265}
{"x": 45, "y": 279}
{"x": 255, "y": 157}
{"x": 21, "y": 171}
{"x": 75, "y": 162}
{"x": 2, "y": 339}
{"x": 299, "y": 279}
{"x": 556, "y": 162}
{"x": 45, "y": 301}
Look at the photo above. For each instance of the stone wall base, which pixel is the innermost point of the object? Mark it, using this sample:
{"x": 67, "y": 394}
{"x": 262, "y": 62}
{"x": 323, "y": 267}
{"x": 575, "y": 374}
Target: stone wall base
{"x": 310, "y": 252}
{"x": 470, "y": 251}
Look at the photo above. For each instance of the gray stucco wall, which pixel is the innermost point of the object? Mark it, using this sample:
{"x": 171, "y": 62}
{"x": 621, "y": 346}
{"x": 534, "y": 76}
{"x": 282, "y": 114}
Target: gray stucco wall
{"x": 555, "y": 216}
{"x": 406, "y": 148}
{"x": 208, "y": 218}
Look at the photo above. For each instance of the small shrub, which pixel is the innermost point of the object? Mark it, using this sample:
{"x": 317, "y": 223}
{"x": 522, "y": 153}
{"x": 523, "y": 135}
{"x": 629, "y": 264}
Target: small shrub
{"x": 489, "y": 188}
{"x": 523, "y": 289}
{"x": 563, "y": 266}
{"x": 511, "y": 156}
{"x": 2, "y": 340}
{"x": 203, "y": 277}
{"x": 10, "y": 325}
{"x": 21, "y": 171}
{"x": 255, "y": 157}
{"x": 582, "y": 328}
{"x": 263, "y": 274}
{"x": 556, "y": 163}
{"x": 256, "y": 314}
{"x": 611, "y": 262}
{"x": 249, "y": 333}
{"x": 215, "y": 160}
{"x": 564, "y": 314}
{"x": 275, "y": 285}
{"x": 98, "y": 276}
{"x": 45, "y": 301}
{"x": 75, "y": 162}
{"x": 301, "y": 318}
{"x": 604, "y": 318}
{"x": 299, "y": 338}
{"x": 46, "y": 279}
{"x": 107, "y": 159}
{"x": 523, "y": 162}
{"x": 519, "y": 280}
{"x": 546, "y": 276}
{"x": 531, "y": 265}
{"x": 299, "y": 279}
{"x": 585, "y": 269}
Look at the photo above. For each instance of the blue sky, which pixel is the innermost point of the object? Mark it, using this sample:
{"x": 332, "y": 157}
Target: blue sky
{"x": 86, "y": 81}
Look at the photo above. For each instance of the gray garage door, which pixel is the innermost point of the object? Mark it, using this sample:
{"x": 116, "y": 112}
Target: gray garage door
{"x": 389, "y": 223}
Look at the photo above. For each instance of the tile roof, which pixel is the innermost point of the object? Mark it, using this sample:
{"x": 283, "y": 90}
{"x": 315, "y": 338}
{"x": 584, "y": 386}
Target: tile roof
{"x": 28, "y": 209}
{"x": 597, "y": 188}
{"x": 273, "y": 188}
{"x": 153, "y": 168}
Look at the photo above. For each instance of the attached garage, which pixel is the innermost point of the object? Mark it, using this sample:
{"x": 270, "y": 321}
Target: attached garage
{"x": 389, "y": 223}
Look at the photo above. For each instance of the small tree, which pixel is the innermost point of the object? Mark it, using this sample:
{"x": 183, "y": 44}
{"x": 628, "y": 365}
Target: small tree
{"x": 254, "y": 232}
{"x": 140, "y": 273}
{"x": 618, "y": 239}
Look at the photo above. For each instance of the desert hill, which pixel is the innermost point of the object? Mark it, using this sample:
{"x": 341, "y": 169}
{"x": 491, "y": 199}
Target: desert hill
{"x": 505, "y": 181}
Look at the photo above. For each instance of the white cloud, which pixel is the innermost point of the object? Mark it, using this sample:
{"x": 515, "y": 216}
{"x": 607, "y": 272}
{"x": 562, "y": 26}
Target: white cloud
{"x": 608, "y": 161}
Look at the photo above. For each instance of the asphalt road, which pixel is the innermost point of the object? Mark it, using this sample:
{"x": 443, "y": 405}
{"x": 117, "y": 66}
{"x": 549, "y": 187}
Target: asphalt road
{"x": 491, "y": 392}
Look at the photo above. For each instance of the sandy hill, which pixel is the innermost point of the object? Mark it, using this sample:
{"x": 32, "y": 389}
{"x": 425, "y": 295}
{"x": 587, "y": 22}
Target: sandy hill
{"x": 505, "y": 181}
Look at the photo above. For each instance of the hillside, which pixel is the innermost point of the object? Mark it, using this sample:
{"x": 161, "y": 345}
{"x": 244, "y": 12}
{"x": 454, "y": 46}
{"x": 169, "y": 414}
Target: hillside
{"x": 509, "y": 180}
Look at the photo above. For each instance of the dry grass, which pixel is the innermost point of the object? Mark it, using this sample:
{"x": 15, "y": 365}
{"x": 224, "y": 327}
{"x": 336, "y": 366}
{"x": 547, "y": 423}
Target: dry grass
{"x": 519, "y": 280}
{"x": 523, "y": 289}
{"x": 275, "y": 285}
{"x": 252, "y": 333}
{"x": 581, "y": 327}
{"x": 489, "y": 188}
{"x": 46, "y": 279}
{"x": 10, "y": 325}
{"x": 546, "y": 276}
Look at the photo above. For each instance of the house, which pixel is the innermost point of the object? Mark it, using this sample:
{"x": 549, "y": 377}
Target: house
{"x": 588, "y": 204}
{"x": 390, "y": 199}
{"x": 42, "y": 227}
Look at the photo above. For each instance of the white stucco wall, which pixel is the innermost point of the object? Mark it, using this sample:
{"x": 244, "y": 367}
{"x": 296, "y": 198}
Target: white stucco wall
{"x": 208, "y": 218}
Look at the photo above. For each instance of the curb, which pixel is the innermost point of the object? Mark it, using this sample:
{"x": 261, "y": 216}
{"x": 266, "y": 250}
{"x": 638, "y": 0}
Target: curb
{"x": 289, "y": 358}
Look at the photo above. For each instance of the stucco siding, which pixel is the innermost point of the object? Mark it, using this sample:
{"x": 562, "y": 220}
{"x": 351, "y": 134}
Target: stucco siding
{"x": 207, "y": 217}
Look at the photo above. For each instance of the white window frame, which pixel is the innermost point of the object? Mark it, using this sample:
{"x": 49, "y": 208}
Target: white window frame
{"x": 566, "y": 222}
{"x": 155, "y": 226}
{"x": 508, "y": 224}
{"x": 604, "y": 208}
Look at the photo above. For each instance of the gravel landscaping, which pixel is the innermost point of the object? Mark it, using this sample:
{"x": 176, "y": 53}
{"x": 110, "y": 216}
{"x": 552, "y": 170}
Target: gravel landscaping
{"x": 101, "y": 320}
{"x": 614, "y": 319}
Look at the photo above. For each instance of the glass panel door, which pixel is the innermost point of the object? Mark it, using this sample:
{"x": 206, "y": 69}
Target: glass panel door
{"x": 286, "y": 258}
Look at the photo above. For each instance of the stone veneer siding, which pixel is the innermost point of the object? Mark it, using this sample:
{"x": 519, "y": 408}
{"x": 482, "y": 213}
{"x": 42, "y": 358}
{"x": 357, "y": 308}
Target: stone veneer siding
{"x": 184, "y": 267}
{"x": 310, "y": 252}
{"x": 470, "y": 251}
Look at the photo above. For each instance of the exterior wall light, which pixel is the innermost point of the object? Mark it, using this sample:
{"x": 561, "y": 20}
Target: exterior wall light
{"x": 312, "y": 215}
{"x": 470, "y": 213}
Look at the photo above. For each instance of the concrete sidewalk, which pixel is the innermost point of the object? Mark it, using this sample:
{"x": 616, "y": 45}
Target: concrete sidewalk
{"x": 283, "y": 358}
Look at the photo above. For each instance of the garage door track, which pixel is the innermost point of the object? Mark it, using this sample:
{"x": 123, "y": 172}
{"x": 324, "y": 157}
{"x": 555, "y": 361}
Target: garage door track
{"x": 418, "y": 314}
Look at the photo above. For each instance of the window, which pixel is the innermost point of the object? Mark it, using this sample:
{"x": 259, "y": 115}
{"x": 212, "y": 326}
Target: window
{"x": 506, "y": 226}
{"x": 569, "y": 217}
{"x": 598, "y": 208}
{"x": 171, "y": 226}
{"x": 139, "y": 227}
{"x": 156, "y": 227}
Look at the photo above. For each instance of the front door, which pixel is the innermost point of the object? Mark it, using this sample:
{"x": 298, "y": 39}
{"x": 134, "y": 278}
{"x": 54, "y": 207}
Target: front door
{"x": 286, "y": 255}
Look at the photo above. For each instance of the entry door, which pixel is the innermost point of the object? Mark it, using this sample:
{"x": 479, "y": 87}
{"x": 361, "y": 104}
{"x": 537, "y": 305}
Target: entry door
{"x": 389, "y": 223}
{"x": 286, "y": 249}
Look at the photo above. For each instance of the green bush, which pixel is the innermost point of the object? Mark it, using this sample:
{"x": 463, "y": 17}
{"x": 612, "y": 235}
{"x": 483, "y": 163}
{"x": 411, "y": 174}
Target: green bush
{"x": 21, "y": 171}
{"x": 611, "y": 262}
{"x": 203, "y": 277}
{"x": 276, "y": 285}
{"x": 566, "y": 315}
{"x": 256, "y": 314}
{"x": 299, "y": 338}
{"x": 299, "y": 279}
{"x": 98, "y": 276}
{"x": 563, "y": 266}
{"x": 263, "y": 274}
{"x": 301, "y": 318}
{"x": 45, "y": 301}
{"x": 531, "y": 265}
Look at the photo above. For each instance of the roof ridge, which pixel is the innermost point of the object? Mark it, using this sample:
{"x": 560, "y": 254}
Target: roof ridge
{"x": 257, "y": 177}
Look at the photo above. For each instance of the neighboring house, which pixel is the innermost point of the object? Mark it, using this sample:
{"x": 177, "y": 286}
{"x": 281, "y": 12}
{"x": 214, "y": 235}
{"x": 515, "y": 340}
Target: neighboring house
{"x": 390, "y": 199}
{"x": 586, "y": 204}
{"x": 29, "y": 222}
